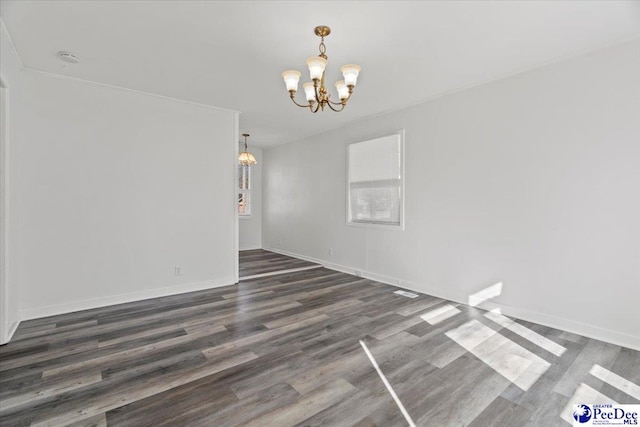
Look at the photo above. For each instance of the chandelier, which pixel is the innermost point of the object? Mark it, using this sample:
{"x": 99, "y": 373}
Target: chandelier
{"x": 315, "y": 91}
{"x": 246, "y": 158}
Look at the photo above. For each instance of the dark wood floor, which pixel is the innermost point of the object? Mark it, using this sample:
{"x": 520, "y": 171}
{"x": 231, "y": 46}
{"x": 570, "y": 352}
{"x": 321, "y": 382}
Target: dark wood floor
{"x": 290, "y": 349}
{"x": 258, "y": 262}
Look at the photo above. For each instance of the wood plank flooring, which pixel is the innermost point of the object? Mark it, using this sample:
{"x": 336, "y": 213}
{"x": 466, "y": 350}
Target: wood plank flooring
{"x": 260, "y": 263}
{"x": 285, "y": 350}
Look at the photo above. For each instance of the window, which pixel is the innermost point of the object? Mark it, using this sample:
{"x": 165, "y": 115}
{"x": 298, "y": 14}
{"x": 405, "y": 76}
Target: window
{"x": 375, "y": 181}
{"x": 244, "y": 190}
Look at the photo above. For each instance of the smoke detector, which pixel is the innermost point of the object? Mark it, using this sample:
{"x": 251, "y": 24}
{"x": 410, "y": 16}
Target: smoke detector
{"x": 68, "y": 57}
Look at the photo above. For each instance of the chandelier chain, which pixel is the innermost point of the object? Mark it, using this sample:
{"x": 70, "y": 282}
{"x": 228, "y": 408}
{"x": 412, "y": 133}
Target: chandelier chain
{"x": 323, "y": 49}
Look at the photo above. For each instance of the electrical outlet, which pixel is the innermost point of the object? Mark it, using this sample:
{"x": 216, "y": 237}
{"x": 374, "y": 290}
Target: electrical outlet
{"x": 177, "y": 271}
{"x": 331, "y": 251}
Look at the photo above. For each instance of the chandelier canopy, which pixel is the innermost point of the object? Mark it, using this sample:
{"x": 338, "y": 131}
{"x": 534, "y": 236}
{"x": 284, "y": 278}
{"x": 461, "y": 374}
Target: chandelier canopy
{"x": 315, "y": 91}
{"x": 246, "y": 158}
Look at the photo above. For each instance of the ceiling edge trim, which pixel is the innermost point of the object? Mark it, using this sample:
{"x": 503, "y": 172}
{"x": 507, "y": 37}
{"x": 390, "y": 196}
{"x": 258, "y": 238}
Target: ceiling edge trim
{"x": 505, "y": 76}
{"x": 13, "y": 46}
{"x": 454, "y": 91}
{"x": 60, "y": 76}
{"x": 125, "y": 89}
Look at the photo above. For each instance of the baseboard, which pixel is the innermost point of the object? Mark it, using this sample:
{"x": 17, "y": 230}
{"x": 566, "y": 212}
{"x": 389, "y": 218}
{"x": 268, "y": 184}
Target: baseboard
{"x": 586, "y": 330}
{"x": 250, "y": 248}
{"x": 12, "y": 330}
{"x": 579, "y": 328}
{"x": 52, "y": 310}
{"x": 568, "y": 325}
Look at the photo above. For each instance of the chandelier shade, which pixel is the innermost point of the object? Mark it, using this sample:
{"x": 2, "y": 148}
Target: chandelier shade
{"x": 343, "y": 90}
{"x": 315, "y": 92}
{"x": 316, "y": 65}
{"x": 247, "y": 159}
{"x": 291, "y": 79}
{"x": 309, "y": 91}
{"x": 350, "y": 73}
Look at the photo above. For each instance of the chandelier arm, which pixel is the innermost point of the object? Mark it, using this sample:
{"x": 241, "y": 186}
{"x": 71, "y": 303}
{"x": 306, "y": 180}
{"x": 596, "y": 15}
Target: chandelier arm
{"x": 300, "y": 105}
{"x": 344, "y": 101}
{"x": 335, "y": 109}
{"x": 317, "y": 107}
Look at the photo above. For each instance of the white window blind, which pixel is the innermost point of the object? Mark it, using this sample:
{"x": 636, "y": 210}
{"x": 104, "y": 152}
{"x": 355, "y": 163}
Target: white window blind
{"x": 375, "y": 181}
{"x": 244, "y": 190}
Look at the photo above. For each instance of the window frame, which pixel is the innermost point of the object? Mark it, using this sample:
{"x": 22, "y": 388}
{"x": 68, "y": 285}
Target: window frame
{"x": 362, "y": 224}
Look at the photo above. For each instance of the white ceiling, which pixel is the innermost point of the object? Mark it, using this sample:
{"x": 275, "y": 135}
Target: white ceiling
{"x": 230, "y": 54}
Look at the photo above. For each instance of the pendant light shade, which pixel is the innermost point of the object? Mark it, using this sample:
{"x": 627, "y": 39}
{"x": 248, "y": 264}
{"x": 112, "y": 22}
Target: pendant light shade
{"x": 245, "y": 158}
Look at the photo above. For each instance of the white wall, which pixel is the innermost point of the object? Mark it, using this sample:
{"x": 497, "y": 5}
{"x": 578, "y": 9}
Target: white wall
{"x": 114, "y": 189}
{"x": 531, "y": 181}
{"x": 250, "y": 227}
{"x": 10, "y": 67}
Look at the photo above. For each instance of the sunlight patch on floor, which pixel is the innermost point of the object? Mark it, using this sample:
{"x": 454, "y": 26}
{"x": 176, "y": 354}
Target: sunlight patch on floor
{"x": 583, "y": 395}
{"x": 439, "y": 314}
{"x": 543, "y": 342}
{"x": 512, "y": 361}
{"x": 615, "y": 380}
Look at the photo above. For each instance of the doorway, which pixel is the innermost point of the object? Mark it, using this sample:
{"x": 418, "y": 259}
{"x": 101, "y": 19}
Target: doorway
{"x": 250, "y": 204}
